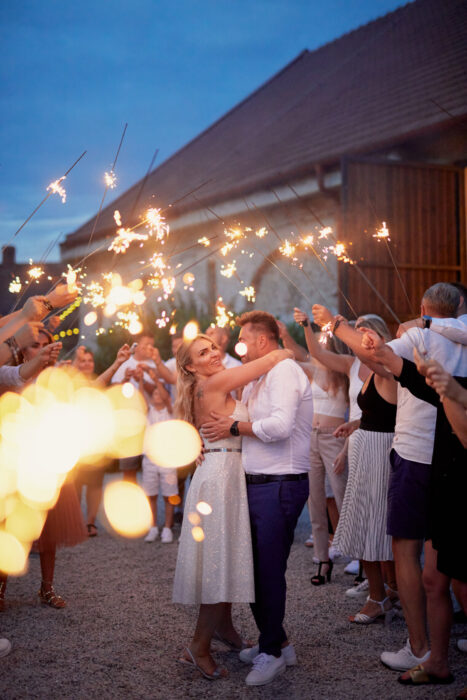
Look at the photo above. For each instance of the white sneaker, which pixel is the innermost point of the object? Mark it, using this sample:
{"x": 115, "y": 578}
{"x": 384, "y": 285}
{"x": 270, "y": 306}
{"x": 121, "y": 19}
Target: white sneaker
{"x": 167, "y": 535}
{"x": 250, "y": 654}
{"x": 265, "y": 668}
{"x": 352, "y": 568}
{"x": 310, "y": 541}
{"x": 358, "y": 590}
{"x": 462, "y": 645}
{"x": 404, "y": 659}
{"x": 5, "y": 647}
{"x": 334, "y": 553}
{"x": 152, "y": 535}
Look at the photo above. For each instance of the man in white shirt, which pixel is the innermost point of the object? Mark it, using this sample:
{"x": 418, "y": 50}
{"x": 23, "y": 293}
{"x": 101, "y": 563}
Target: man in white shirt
{"x": 453, "y": 328}
{"x": 276, "y": 459}
{"x": 411, "y": 458}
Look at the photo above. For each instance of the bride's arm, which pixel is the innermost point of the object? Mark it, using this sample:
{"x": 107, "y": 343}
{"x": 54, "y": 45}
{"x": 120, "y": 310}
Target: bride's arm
{"x": 231, "y": 379}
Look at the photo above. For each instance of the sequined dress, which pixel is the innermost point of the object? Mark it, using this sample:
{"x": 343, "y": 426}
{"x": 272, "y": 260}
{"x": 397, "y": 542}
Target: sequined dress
{"x": 219, "y": 569}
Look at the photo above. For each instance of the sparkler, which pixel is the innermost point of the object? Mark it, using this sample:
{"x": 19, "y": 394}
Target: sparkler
{"x": 249, "y": 293}
{"x": 117, "y": 217}
{"x": 383, "y": 234}
{"x": 228, "y": 270}
{"x": 224, "y": 317}
{"x": 110, "y": 180}
{"x": 35, "y": 272}
{"x": 261, "y": 232}
{"x": 204, "y": 241}
{"x": 326, "y": 333}
{"x": 41, "y": 203}
{"x": 15, "y": 286}
{"x": 56, "y": 188}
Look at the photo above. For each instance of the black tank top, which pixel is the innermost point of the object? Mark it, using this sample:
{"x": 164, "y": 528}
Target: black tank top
{"x": 378, "y": 415}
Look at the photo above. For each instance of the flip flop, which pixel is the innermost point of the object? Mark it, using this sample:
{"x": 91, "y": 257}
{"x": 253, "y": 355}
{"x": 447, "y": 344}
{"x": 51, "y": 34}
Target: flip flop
{"x": 218, "y": 672}
{"x": 418, "y": 676}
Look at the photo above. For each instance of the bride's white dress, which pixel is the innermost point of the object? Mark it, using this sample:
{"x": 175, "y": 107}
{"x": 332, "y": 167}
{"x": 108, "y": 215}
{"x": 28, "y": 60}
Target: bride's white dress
{"x": 219, "y": 569}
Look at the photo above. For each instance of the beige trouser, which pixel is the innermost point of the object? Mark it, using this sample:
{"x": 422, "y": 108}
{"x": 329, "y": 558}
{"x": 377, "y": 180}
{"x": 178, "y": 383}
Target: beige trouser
{"x": 324, "y": 450}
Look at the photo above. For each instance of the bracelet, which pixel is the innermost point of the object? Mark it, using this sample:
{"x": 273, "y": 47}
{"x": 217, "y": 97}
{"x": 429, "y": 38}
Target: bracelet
{"x": 336, "y": 325}
{"x": 47, "y": 305}
{"x": 304, "y": 323}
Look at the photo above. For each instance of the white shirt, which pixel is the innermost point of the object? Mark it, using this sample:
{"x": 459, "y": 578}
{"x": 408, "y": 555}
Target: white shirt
{"x": 131, "y": 363}
{"x": 280, "y": 407}
{"x": 453, "y": 328}
{"x": 416, "y": 419}
{"x": 228, "y": 361}
{"x": 10, "y": 376}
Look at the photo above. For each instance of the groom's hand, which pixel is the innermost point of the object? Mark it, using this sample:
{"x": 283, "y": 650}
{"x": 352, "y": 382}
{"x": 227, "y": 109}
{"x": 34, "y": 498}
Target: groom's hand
{"x": 218, "y": 428}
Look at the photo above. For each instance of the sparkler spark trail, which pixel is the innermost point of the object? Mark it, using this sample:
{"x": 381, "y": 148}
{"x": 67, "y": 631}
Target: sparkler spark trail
{"x": 110, "y": 180}
{"x": 382, "y": 233}
{"x": 56, "y": 188}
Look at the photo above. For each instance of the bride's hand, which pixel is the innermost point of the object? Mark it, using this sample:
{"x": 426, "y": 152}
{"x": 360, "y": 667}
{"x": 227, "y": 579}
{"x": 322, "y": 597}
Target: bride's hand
{"x": 218, "y": 428}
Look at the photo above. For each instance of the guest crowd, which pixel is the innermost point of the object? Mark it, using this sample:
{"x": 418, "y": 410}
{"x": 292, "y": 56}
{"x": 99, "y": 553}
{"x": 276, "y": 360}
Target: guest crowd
{"x": 387, "y": 461}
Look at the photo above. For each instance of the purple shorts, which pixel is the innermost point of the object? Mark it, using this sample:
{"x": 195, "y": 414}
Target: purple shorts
{"x": 408, "y": 498}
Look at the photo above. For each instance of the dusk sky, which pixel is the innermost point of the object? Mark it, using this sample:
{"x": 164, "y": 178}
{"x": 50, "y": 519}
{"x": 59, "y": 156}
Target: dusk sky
{"x": 73, "y": 73}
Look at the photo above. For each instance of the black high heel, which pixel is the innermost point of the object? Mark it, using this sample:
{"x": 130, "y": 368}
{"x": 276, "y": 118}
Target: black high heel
{"x": 318, "y": 579}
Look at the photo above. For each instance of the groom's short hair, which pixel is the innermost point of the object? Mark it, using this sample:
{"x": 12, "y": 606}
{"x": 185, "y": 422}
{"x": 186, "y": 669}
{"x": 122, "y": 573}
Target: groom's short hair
{"x": 262, "y": 321}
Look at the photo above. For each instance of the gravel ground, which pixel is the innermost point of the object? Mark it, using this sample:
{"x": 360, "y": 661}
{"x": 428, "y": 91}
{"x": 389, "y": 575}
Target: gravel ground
{"x": 119, "y": 636}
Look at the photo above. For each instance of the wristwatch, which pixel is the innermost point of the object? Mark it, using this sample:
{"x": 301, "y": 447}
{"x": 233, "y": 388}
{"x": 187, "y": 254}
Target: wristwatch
{"x": 426, "y": 321}
{"x": 234, "y": 429}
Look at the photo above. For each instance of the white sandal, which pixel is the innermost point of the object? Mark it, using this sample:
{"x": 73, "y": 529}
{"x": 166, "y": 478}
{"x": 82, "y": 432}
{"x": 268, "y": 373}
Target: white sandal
{"x": 364, "y": 619}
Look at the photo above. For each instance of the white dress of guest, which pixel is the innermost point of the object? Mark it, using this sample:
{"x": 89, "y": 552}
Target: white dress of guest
{"x": 219, "y": 569}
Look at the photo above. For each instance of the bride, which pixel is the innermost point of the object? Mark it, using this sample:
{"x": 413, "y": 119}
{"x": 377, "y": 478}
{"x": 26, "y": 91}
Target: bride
{"x": 217, "y": 571}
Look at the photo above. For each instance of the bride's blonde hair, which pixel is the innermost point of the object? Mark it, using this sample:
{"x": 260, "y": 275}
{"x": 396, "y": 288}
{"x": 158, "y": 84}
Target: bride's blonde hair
{"x": 186, "y": 380}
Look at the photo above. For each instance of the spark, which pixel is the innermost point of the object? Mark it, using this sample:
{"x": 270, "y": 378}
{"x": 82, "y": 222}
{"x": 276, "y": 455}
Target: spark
{"x": 70, "y": 276}
{"x": 110, "y": 180}
{"x": 15, "y": 286}
{"x": 249, "y": 293}
{"x": 56, "y": 188}
{"x": 117, "y": 217}
{"x": 287, "y": 249}
{"x": 229, "y": 270}
{"x": 204, "y": 241}
{"x": 326, "y": 332}
{"x": 35, "y": 272}
{"x": 325, "y": 232}
{"x": 261, "y": 232}
{"x": 168, "y": 285}
{"x": 130, "y": 321}
{"x": 234, "y": 233}
{"x": 223, "y": 316}
{"x": 157, "y": 224}
{"x": 94, "y": 295}
{"x": 226, "y": 248}
{"x": 188, "y": 278}
{"x": 173, "y": 329}
{"x": 382, "y": 233}
{"x": 124, "y": 238}
{"x": 340, "y": 252}
{"x": 308, "y": 241}
{"x": 158, "y": 262}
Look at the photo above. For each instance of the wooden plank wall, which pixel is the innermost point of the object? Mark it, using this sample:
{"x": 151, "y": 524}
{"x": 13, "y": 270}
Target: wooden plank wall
{"x": 423, "y": 207}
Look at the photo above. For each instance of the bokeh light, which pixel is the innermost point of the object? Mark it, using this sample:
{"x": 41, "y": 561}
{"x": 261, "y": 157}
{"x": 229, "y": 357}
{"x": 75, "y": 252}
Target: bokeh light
{"x": 127, "y": 509}
{"x": 203, "y": 508}
{"x": 172, "y": 443}
{"x": 198, "y": 534}
{"x": 190, "y": 331}
{"x": 241, "y": 349}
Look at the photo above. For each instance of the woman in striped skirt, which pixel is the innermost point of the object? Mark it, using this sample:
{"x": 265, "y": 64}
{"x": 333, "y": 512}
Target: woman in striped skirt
{"x": 361, "y": 532}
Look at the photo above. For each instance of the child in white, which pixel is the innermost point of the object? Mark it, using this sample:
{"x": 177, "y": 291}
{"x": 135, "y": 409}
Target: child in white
{"x": 159, "y": 479}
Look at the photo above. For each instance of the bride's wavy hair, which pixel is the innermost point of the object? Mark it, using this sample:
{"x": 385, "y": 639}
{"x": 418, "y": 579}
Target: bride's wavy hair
{"x": 186, "y": 380}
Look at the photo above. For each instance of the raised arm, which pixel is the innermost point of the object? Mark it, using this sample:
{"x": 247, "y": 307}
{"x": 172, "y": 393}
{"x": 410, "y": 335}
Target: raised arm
{"x": 106, "y": 377}
{"x": 331, "y": 360}
{"x": 164, "y": 372}
{"x": 300, "y": 354}
{"x": 231, "y": 379}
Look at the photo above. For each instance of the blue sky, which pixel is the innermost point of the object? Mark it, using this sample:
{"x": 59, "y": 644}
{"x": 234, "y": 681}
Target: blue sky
{"x": 73, "y": 73}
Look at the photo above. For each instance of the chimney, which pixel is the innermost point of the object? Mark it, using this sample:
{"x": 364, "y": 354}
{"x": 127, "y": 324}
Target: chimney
{"x": 9, "y": 256}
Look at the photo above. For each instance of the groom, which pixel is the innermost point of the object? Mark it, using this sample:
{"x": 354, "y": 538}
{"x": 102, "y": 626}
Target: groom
{"x": 276, "y": 459}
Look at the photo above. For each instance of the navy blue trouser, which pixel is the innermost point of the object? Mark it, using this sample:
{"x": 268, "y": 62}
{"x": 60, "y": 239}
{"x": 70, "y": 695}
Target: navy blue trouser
{"x": 274, "y": 510}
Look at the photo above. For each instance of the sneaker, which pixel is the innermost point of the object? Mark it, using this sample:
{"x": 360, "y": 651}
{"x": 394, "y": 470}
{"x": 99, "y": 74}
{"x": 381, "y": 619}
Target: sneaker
{"x": 152, "y": 535}
{"x": 250, "y": 654}
{"x": 404, "y": 659}
{"x": 334, "y": 553}
{"x": 462, "y": 645}
{"x": 265, "y": 668}
{"x": 310, "y": 541}
{"x": 5, "y": 647}
{"x": 352, "y": 568}
{"x": 360, "y": 589}
{"x": 167, "y": 535}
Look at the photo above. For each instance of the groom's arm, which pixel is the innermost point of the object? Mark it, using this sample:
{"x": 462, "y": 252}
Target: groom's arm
{"x": 280, "y": 403}
{"x": 219, "y": 427}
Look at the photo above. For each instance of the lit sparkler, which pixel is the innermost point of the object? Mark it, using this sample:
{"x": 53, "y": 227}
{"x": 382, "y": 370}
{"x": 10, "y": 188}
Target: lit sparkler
{"x": 223, "y": 316}
{"x": 35, "y": 272}
{"x": 110, "y": 180}
{"x": 94, "y": 295}
{"x": 382, "y": 233}
{"x": 15, "y": 286}
{"x": 249, "y": 293}
{"x": 287, "y": 249}
{"x": 326, "y": 333}
{"x": 117, "y": 217}
{"x": 157, "y": 224}
{"x": 262, "y": 232}
{"x": 56, "y": 188}
{"x": 325, "y": 232}
{"x": 228, "y": 270}
{"x": 124, "y": 238}
{"x": 204, "y": 241}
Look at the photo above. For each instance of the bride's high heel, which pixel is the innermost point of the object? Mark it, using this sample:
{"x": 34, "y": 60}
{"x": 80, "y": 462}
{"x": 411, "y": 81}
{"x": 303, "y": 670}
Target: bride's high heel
{"x": 319, "y": 579}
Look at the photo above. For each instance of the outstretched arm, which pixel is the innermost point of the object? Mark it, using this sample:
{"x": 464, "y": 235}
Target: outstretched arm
{"x": 338, "y": 363}
{"x": 300, "y": 354}
{"x": 122, "y": 356}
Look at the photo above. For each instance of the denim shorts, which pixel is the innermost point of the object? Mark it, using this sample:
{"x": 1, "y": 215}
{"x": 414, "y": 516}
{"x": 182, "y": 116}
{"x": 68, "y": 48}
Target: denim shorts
{"x": 408, "y": 498}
